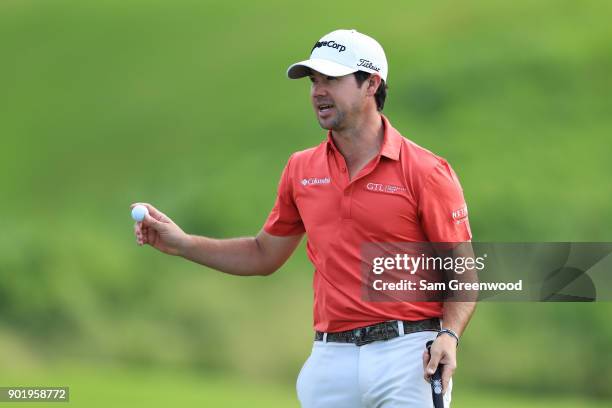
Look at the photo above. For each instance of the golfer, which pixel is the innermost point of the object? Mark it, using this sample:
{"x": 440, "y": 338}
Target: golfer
{"x": 364, "y": 183}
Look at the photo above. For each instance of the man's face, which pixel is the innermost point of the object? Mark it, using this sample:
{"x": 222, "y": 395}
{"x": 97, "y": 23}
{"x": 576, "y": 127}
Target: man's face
{"x": 336, "y": 100}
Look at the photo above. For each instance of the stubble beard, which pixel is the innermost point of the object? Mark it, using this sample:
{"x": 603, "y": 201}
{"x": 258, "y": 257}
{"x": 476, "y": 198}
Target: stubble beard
{"x": 336, "y": 123}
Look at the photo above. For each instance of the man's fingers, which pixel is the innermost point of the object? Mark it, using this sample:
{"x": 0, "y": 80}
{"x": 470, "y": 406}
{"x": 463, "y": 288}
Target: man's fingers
{"x": 447, "y": 373}
{"x": 152, "y": 223}
{"x": 144, "y": 235}
{"x": 425, "y": 362}
{"x": 150, "y": 235}
{"x": 155, "y": 213}
{"x": 433, "y": 363}
{"x": 138, "y": 232}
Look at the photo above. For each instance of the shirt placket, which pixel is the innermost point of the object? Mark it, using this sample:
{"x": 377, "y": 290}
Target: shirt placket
{"x": 347, "y": 186}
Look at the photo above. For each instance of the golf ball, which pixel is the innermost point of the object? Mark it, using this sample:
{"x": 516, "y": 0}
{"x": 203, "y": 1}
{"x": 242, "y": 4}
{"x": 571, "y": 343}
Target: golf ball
{"x": 139, "y": 212}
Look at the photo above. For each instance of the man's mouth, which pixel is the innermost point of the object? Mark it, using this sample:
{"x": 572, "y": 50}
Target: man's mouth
{"x": 325, "y": 107}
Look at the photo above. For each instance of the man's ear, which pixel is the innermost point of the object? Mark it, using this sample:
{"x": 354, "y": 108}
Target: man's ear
{"x": 373, "y": 84}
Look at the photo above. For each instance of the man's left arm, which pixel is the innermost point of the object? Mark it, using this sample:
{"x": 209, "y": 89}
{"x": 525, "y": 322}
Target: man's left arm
{"x": 459, "y": 305}
{"x": 444, "y": 218}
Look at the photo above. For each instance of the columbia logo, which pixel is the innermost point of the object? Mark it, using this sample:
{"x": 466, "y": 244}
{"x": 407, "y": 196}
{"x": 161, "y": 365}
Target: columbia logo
{"x": 315, "y": 180}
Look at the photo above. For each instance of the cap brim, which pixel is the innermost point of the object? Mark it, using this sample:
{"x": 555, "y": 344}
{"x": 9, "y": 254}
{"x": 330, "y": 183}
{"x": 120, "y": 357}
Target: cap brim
{"x": 303, "y": 68}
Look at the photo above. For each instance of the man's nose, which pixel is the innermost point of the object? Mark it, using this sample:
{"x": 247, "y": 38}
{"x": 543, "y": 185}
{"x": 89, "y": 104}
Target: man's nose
{"x": 319, "y": 90}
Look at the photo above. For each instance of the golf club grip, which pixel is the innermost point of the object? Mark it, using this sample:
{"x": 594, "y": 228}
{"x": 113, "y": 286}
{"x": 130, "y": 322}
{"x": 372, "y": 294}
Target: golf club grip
{"x": 436, "y": 383}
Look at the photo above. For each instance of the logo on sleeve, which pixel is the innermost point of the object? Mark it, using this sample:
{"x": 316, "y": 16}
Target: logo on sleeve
{"x": 460, "y": 215}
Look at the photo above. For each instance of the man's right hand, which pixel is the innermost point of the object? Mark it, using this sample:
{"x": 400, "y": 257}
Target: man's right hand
{"x": 245, "y": 256}
{"x": 159, "y": 231}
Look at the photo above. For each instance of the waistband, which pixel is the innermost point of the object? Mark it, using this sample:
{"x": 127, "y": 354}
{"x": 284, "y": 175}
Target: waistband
{"x": 379, "y": 331}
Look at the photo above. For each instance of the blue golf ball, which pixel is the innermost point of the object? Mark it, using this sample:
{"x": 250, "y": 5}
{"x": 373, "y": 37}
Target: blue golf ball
{"x": 139, "y": 212}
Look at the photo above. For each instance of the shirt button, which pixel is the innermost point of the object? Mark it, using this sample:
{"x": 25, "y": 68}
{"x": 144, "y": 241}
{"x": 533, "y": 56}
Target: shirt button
{"x": 343, "y": 169}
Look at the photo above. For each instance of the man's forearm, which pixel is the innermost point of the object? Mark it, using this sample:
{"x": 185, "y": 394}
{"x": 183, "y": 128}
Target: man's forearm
{"x": 236, "y": 256}
{"x": 456, "y": 315}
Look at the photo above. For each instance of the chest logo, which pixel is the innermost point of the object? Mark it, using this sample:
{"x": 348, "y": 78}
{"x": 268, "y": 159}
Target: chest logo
{"x": 314, "y": 181}
{"x": 384, "y": 188}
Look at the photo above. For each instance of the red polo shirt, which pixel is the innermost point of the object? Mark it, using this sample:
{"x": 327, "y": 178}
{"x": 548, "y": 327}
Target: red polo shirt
{"x": 405, "y": 194}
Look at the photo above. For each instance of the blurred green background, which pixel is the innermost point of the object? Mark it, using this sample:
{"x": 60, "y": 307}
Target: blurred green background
{"x": 185, "y": 104}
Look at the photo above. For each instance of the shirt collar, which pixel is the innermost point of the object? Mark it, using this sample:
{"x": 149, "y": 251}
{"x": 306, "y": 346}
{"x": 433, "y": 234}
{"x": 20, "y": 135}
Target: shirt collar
{"x": 392, "y": 140}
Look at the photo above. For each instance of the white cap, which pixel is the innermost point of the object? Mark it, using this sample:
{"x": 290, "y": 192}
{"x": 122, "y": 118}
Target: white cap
{"x": 343, "y": 52}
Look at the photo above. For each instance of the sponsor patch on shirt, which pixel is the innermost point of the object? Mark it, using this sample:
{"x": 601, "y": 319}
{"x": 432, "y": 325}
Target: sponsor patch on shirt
{"x": 460, "y": 215}
{"x": 315, "y": 181}
{"x": 384, "y": 188}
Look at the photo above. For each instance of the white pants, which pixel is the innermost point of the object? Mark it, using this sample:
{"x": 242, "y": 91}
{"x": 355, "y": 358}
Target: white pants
{"x": 382, "y": 374}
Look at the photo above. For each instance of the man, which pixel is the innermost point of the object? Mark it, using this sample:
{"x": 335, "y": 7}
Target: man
{"x": 365, "y": 183}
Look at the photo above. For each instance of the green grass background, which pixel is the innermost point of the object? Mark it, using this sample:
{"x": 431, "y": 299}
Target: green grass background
{"x": 184, "y": 104}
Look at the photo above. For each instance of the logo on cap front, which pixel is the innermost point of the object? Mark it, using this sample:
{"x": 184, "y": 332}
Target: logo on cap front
{"x": 330, "y": 44}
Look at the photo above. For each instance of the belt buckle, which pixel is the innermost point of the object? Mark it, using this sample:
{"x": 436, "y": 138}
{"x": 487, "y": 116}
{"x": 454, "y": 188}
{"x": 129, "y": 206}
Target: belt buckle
{"x": 360, "y": 334}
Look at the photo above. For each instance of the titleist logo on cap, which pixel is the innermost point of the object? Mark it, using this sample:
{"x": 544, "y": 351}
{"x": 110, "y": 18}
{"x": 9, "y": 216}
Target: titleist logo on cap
{"x": 367, "y": 64}
{"x": 331, "y": 44}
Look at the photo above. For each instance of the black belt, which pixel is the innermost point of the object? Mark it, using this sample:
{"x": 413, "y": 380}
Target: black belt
{"x": 380, "y": 331}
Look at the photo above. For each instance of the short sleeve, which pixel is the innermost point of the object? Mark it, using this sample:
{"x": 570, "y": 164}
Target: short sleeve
{"x": 285, "y": 219}
{"x": 442, "y": 208}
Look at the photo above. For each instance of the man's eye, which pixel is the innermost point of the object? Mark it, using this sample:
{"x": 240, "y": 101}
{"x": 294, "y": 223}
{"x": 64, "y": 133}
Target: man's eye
{"x": 331, "y": 78}
{"x": 311, "y": 79}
